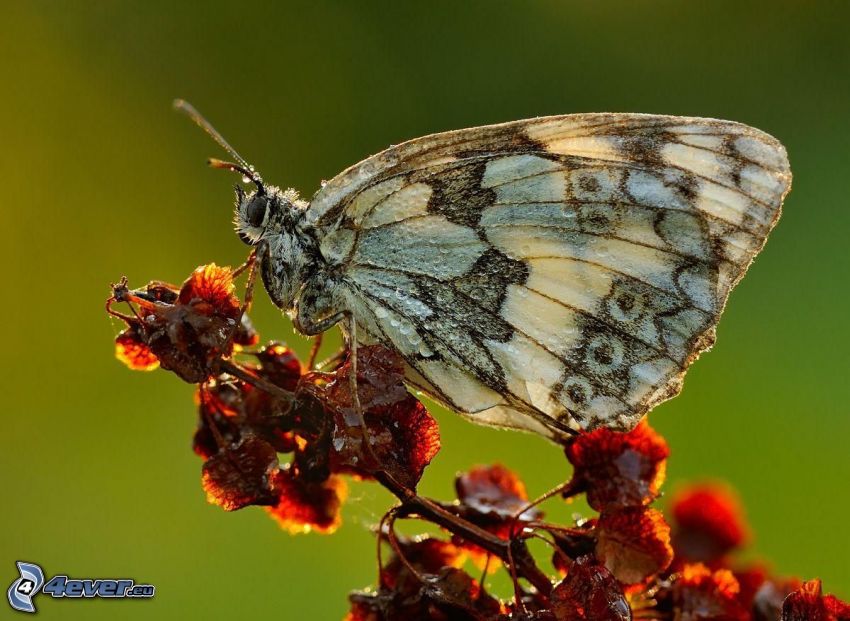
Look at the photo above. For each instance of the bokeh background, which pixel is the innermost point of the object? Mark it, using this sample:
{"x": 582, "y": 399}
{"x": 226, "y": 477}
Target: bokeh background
{"x": 100, "y": 178}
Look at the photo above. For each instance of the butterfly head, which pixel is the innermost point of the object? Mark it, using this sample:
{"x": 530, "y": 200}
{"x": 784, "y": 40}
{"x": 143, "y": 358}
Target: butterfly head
{"x": 274, "y": 218}
{"x": 266, "y": 212}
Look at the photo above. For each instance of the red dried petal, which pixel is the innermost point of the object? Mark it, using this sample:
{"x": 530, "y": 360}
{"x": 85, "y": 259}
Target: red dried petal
{"x": 222, "y": 396}
{"x": 280, "y": 365}
{"x": 205, "y": 442}
{"x": 457, "y": 595}
{"x": 619, "y": 469}
{"x": 572, "y": 543}
{"x": 133, "y": 351}
{"x": 419, "y": 431}
{"x": 380, "y": 380}
{"x": 701, "y": 594}
{"x": 633, "y": 543}
{"x": 491, "y": 491}
{"x": 750, "y": 581}
{"x": 162, "y": 292}
{"x": 241, "y": 475}
{"x": 190, "y": 331}
{"x": 304, "y": 506}
{"x": 266, "y": 413}
{"x": 436, "y": 588}
{"x": 403, "y": 436}
{"x": 490, "y": 497}
{"x": 427, "y": 555}
{"x": 836, "y": 608}
{"x": 450, "y": 594}
{"x": 364, "y": 607}
{"x": 808, "y": 603}
{"x": 246, "y": 335}
{"x": 589, "y": 592}
{"x": 238, "y": 408}
{"x": 210, "y": 290}
{"x": 707, "y": 523}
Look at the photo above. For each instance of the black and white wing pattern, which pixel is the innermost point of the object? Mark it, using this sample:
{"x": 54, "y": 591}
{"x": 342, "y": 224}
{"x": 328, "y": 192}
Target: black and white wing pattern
{"x": 560, "y": 272}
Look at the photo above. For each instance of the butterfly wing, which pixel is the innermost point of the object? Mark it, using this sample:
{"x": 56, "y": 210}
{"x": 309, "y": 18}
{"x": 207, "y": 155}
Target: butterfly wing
{"x": 554, "y": 273}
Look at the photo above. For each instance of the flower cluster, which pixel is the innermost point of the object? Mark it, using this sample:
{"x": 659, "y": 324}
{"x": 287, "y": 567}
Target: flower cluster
{"x": 354, "y": 416}
{"x": 257, "y": 403}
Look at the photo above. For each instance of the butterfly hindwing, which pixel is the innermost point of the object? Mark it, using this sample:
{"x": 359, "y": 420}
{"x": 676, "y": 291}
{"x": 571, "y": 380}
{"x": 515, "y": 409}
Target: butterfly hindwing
{"x": 557, "y": 272}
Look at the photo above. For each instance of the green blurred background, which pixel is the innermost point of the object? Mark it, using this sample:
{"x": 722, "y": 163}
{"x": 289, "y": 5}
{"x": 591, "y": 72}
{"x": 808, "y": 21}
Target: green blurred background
{"x": 101, "y": 179}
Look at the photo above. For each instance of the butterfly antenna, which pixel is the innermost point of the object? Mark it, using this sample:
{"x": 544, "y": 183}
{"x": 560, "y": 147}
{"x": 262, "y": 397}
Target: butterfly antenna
{"x": 242, "y": 166}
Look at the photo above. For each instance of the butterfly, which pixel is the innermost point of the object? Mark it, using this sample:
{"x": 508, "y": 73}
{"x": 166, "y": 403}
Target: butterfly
{"x": 550, "y": 275}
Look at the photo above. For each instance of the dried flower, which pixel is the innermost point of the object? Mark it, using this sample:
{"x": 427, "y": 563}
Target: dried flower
{"x": 494, "y": 498}
{"x": 241, "y": 474}
{"x": 589, "y": 592}
{"x": 633, "y": 543}
{"x": 133, "y": 351}
{"x": 619, "y": 469}
{"x": 808, "y": 603}
{"x": 707, "y": 523}
{"x": 402, "y": 436}
{"x": 259, "y": 405}
{"x": 304, "y": 506}
{"x": 701, "y": 594}
{"x": 186, "y": 330}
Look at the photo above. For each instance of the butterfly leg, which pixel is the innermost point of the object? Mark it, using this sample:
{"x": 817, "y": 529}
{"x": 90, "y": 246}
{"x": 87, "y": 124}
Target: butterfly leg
{"x": 314, "y": 351}
{"x": 352, "y": 377}
{"x": 352, "y": 386}
{"x": 308, "y": 327}
{"x": 312, "y": 328}
{"x": 252, "y": 264}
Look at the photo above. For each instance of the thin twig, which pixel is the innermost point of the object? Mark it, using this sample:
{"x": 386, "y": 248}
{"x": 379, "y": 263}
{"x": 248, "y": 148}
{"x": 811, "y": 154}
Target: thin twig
{"x": 507, "y": 551}
{"x": 515, "y": 580}
{"x": 393, "y": 539}
{"x": 482, "y": 588}
{"x": 237, "y": 371}
{"x": 219, "y": 439}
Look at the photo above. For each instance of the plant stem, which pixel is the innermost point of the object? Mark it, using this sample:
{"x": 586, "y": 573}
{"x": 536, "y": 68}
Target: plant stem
{"x": 236, "y": 371}
{"x": 514, "y": 550}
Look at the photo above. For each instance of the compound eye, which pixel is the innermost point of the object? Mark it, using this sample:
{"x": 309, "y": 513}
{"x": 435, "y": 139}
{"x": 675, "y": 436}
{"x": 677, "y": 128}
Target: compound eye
{"x": 256, "y": 211}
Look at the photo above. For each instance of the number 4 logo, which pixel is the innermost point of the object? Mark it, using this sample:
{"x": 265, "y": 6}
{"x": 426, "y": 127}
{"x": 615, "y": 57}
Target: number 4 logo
{"x": 26, "y": 587}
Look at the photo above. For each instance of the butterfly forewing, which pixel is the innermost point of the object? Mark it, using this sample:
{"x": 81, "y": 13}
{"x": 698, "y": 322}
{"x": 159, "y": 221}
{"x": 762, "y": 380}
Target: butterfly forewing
{"x": 557, "y": 272}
